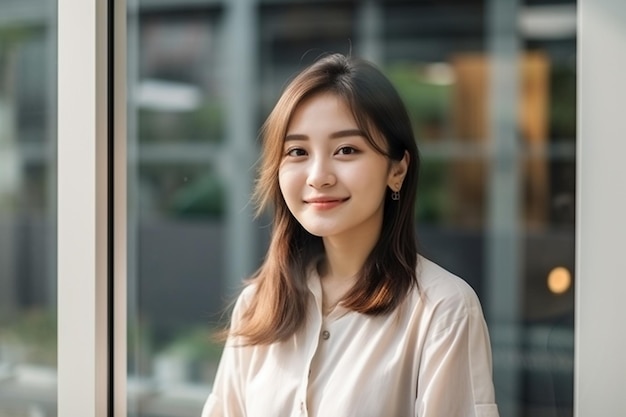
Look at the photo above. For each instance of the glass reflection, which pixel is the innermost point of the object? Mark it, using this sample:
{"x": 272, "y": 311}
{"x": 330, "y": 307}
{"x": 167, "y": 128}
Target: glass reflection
{"x": 189, "y": 171}
{"x": 28, "y": 345}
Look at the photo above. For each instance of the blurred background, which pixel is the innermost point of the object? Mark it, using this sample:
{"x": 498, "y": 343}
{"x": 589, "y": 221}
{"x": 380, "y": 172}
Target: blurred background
{"x": 490, "y": 86}
{"x": 28, "y": 208}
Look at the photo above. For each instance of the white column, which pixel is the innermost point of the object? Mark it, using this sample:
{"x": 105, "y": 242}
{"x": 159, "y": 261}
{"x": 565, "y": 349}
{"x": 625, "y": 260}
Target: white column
{"x": 370, "y": 31}
{"x": 601, "y": 210}
{"x": 82, "y": 208}
{"x": 238, "y": 170}
{"x": 503, "y": 230}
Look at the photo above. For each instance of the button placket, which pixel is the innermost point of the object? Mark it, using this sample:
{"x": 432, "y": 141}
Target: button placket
{"x": 317, "y": 325}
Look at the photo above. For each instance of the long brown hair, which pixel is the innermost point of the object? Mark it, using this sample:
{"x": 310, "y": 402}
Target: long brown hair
{"x": 279, "y": 304}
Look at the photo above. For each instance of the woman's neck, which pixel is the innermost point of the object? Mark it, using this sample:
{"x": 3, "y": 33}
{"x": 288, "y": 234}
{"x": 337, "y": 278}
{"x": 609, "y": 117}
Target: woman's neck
{"x": 341, "y": 263}
{"x": 345, "y": 257}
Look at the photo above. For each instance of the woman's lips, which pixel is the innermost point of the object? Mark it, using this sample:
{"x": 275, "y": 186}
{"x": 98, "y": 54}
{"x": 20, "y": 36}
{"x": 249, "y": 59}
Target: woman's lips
{"x": 325, "y": 203}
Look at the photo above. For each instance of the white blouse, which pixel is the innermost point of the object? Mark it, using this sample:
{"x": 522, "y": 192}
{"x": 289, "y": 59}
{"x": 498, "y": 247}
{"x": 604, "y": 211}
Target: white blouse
{"x": 429, "y": 358}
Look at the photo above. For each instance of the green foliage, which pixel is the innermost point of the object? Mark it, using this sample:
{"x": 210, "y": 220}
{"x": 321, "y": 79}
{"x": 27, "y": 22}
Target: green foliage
{"x": 34, "y": 334}
{"x": 432, "y": 194}
{"x": 206, "y": 123}
{"x": 427, "y": 103}
{"x": 10, "y": 34}
{"x": 196, "y": 344}
{"x": 202, "y": 197}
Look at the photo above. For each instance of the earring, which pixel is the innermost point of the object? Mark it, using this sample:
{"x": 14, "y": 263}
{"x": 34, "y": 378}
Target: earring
{"x": 395, "y": 195}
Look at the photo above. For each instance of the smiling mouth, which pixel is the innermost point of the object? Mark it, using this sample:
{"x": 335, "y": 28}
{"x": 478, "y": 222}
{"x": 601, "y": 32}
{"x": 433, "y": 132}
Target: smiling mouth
{"x": 325, "y": 203}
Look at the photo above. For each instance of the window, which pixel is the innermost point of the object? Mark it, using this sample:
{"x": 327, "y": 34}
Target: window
{"x": 28, "y": 279}
{"x": 491, "y": 91}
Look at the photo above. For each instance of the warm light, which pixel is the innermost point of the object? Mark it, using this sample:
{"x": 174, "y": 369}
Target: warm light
{"x": 559, "y": 280}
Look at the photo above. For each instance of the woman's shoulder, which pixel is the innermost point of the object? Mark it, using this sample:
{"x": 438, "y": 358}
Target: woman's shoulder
{"x": 241, "y": 303}
{"x": 440, "y": 289}
{"x": 245, "y": 296}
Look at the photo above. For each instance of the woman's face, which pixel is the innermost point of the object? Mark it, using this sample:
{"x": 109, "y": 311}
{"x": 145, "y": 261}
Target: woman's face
{"x": 331, "y": 178}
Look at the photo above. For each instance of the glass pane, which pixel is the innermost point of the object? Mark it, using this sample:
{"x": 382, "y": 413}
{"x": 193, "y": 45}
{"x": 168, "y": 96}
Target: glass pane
{"x": 496, "y": 198}
{"x": 177, "y": 205}
{"x": 28, "y": 345}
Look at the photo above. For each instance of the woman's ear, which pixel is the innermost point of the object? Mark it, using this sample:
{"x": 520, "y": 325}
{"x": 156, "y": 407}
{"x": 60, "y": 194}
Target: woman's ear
{"x": 398, "y": 172}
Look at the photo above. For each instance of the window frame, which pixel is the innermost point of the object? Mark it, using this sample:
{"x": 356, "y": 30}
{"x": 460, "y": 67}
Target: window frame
{"x": 91, "y": 241}
{"x": 599, "y": 375}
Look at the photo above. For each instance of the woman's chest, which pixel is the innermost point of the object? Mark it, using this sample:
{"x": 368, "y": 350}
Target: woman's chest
{"x": 349, "y": 366}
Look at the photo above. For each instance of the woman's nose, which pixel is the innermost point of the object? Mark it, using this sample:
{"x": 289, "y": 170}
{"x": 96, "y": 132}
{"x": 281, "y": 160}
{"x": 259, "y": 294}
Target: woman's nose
{"x": 321, "y": 173}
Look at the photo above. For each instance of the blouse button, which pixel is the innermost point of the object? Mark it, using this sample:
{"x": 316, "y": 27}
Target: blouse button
{"x": 325, "y": 334}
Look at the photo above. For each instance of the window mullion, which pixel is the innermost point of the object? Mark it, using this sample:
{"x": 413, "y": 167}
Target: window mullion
{"x": 83, "y": 217}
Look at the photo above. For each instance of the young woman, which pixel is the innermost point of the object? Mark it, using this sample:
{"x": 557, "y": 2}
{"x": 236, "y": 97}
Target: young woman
{"x": 344, "y": 318}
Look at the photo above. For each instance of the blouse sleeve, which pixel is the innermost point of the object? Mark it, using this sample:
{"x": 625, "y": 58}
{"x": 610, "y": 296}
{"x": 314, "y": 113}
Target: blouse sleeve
{"x": 455, "y": 374}
{"x": 227, "y": 396}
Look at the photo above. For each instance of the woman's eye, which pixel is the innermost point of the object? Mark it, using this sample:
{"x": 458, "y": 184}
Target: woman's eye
{"x": 295, "y": 152}
{"x": 346, "y": 150}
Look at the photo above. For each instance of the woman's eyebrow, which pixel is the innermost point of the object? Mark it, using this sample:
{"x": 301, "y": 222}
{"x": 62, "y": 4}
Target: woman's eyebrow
{"x": 335, "y": 135}
{"x": 347, "y": 133}
{"x": 295, "y": 136}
